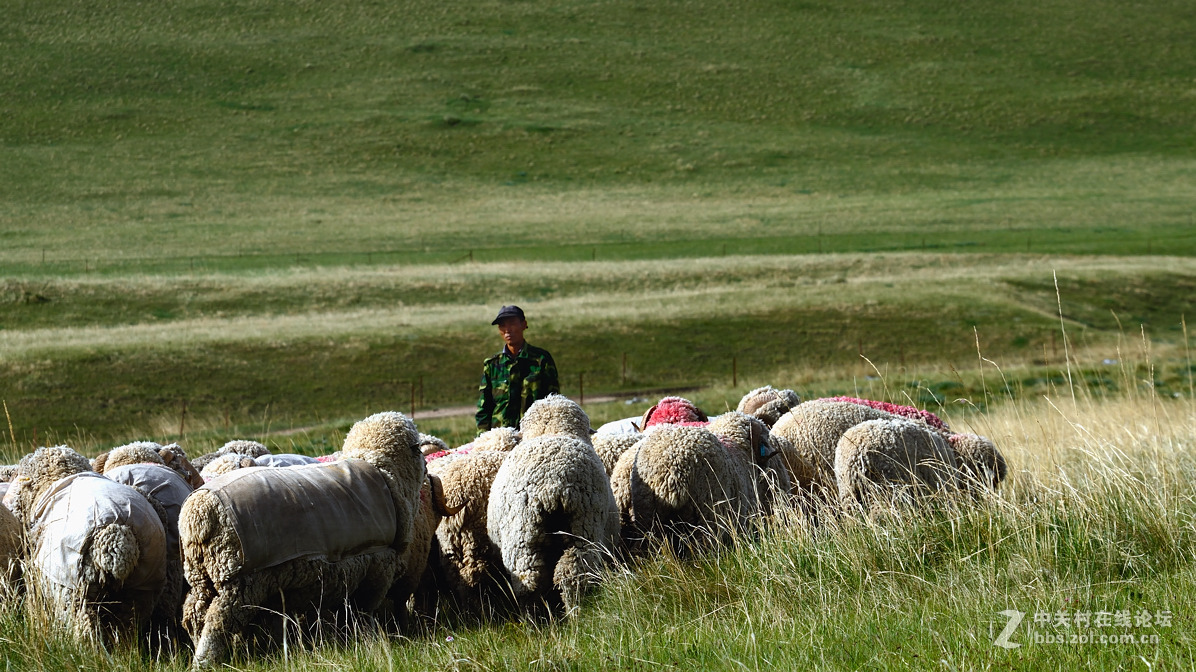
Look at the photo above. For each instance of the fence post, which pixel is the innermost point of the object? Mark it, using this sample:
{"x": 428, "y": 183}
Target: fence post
{"x": 183, "y": 419}
{"x": 413, "y": 400}
{"x": 734, "y": 371}
{"x": 581, "y": 388}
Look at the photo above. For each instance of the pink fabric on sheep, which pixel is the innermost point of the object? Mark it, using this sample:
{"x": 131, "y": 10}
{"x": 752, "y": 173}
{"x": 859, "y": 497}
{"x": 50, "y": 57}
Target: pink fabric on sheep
{"x": 903, "y": 411}
{"x": 674, "y": 411}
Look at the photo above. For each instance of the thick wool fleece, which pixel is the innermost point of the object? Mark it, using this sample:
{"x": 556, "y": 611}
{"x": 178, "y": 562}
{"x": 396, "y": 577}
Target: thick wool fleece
{"x": 468, "y": 562}
{"x": 612, "y": 446}
{"x": 879, "y": 463}
{"x": 751, "y": 443}
{"x": 813, "y": 429}
{"x": 682, "y": 482}
{"x": 555, "y": 415}
{"x": 553, "y": 517}
{"x": 768, "y": 404}
{"x": 981, "y": 465}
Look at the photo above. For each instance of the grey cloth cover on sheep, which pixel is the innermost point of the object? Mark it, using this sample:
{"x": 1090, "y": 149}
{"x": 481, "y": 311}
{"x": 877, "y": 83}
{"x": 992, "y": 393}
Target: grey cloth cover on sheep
{"x": 74, "y": 508}
{"x": 164, "y": 483}
{"x": 4, "y": 489}
{"x": 624, "y": 426}
{"x": 284, "y": 460}
{"x": 329, "y": 510}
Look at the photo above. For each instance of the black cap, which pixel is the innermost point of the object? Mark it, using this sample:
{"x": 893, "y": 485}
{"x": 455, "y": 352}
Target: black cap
{"x": 509, "y": 311}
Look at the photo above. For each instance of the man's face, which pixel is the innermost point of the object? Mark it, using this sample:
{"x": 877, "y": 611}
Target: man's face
{"x": 512, "y": 329}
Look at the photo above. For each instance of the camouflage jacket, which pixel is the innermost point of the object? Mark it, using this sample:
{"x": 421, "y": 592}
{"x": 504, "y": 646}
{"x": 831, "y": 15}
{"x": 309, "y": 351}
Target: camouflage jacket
{"x": 511, "y": 383}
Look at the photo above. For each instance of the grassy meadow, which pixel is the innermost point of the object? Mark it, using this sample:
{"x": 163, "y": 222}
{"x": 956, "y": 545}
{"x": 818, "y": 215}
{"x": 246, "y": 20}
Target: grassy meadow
{"x": 268, "y": 220}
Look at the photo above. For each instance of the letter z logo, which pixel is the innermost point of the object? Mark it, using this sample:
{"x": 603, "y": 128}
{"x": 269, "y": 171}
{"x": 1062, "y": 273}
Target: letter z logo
{"x": 1015, "y": 619}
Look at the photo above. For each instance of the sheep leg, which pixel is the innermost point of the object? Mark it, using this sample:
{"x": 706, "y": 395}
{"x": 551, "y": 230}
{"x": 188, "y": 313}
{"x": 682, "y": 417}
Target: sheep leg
{"x": 225, "y": 616}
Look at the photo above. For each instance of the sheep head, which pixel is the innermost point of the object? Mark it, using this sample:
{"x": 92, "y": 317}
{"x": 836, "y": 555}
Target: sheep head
{"x": 981, "y": 465}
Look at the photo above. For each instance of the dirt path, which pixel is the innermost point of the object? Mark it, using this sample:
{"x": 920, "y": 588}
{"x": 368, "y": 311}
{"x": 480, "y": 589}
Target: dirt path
{"x": 449, "y": 412}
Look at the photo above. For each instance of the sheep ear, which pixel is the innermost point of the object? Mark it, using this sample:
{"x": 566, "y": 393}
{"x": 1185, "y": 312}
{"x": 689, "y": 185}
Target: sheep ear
{"x": 438, "y": 502}
{"x": 648, "y": 415}
{"x": 97, "y": 464}
{"x": 702, "y": 417}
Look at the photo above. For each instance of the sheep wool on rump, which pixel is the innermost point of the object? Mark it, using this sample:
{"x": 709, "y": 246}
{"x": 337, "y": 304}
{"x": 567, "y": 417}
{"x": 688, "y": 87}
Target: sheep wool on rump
{"x": 909, "y": 412}
{"x": 553, "y": 518}
{"x": 892, "y": 461}
{"x": 682, "y": 483}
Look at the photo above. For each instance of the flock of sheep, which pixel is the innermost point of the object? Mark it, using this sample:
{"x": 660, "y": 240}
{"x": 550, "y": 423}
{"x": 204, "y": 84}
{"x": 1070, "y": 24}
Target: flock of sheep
{"x": 142, "y": 544}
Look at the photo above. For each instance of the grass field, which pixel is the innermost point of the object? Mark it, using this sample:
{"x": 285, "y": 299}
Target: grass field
{"x": 265, "y": 219}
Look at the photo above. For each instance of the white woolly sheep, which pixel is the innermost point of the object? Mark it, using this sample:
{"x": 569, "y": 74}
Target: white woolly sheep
{"x": 880, "y": 463}
{"x": 99, "y": 546}
{"x": 750, "y": 438}
{"x": 467, "y": 562}
{"x": 551, "y": 511}
{"x": 357, "y": 515}
{"x": 813, "y": 429}
{"x": 682, "y": 483}
{"x": 768, "y": 404}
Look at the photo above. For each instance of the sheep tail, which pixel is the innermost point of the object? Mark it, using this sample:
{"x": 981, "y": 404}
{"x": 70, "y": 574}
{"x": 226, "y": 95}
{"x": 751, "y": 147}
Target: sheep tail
{"x": 114, "y": 551}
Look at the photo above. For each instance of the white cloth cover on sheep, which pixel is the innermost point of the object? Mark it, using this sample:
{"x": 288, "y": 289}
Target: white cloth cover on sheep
{"x": 624, "y": 426}
{"x": 329, "y": 510}
{"x": 71, "y": 511}
{"x": 284, "y": 460}
{"x": 4, "y": 491}
{"x": 164, "y": 483}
